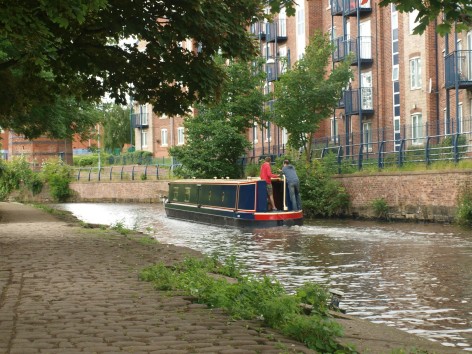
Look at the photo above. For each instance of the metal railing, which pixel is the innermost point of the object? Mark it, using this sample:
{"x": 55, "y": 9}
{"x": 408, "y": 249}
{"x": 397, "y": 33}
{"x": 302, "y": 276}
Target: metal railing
{"x": 123, "y": 173}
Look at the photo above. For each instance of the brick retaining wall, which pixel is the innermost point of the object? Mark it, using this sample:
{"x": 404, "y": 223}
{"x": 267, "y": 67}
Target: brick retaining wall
{"x": 426, "y": 195}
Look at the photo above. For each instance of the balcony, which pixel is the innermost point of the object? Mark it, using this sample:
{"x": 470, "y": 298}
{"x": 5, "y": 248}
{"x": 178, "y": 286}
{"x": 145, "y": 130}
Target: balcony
{"x": 276, "y": 31}
{"x": 351, "y": 7}
{"x": 359, "y": 101}
{"x": 458, "y": 67}
{"x": 340, "y": 49}
{"x": 258, "y": 30}
{"x": 336, "y": 7}
{"x": 140, "y": 120}
{"x": 276, "y": 66}
{"x": 361, "y": 48}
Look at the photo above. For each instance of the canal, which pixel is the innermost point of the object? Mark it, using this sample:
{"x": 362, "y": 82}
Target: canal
{"x": 415, "y": 277}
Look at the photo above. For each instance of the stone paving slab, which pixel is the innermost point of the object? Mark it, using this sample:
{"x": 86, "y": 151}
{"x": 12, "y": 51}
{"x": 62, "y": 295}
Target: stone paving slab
{"x": 67, "y": 289}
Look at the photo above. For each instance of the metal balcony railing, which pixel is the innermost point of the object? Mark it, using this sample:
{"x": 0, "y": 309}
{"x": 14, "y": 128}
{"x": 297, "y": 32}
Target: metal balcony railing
{"x": 140, "y": 120}
{"x": 276, "y": 66}
{"x": 358, "y": 101}
{"x": 258, "y": 30}
{"x": 340, "y": 49}
{"x": 276, "y": 31}
{"x": 350, "y": 7}
{"x": 361, "y": 48}
{"x": 336, "y": 7}
{"x": 458, "y": 67}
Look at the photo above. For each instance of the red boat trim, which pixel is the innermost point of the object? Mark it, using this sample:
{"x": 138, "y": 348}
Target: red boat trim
{"x": 278, "y": 216}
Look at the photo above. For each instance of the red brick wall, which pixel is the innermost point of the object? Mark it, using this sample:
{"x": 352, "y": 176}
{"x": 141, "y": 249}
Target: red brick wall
{"x": 430, "y": 195}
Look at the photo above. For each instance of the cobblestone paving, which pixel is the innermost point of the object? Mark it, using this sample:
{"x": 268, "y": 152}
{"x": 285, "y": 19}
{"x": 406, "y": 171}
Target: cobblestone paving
{"x": 63, "y": 289}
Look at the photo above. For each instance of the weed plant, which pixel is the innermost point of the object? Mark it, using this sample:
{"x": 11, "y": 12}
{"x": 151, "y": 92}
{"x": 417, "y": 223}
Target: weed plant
{"x": 254, "y": 297}
{"x": 464, "y": 209}
{"x": 380, "y": 208}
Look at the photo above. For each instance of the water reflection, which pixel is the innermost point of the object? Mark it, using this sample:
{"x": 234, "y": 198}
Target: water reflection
{"x": 415, "y": 277}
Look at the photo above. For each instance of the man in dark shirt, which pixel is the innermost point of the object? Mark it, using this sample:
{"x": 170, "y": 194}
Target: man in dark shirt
{"x": 293, "y": 185}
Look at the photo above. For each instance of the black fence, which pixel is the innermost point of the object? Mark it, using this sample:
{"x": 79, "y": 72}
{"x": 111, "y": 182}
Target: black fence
{"x": 123, "y": 173}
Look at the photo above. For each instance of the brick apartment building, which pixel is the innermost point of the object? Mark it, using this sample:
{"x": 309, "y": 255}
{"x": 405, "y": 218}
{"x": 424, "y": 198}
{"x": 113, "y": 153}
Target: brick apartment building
{"x": 406, "y": 87}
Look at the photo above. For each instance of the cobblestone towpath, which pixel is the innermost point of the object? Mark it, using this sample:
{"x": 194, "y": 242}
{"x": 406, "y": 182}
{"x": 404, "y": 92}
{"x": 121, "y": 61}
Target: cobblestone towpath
{"x": 69, "y": 289}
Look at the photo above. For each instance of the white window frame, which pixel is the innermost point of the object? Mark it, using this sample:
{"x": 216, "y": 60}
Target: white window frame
{"x": 144, "y": 139}
{"x": 412, "y": 20}
{"x": 417, "y": 129}
{"x": 180, "y": 136}
{"x": 284, "y": 136}
{"x": 395, "y": 72}
{"x": 164, "y": 134}
{"x": 415, "y": 73}
{"x": 367, "y": 135}
{"x": 255, "y": 139}
{"x": 334, "y": 128}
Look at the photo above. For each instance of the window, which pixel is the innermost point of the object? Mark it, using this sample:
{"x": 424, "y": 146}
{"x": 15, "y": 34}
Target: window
{"x": 180, "y": 136}
{"x": 283, "y": 59}
{"x": 459, "y": 119}
{"x": 284, "y": 136}
{"x": 417, "y": 128}
{"x": 395, "y": 72}
{"x": 144, "y": 138}
{"x": 334, "y": 129}
{"x": 282, "y": 23}
{"x": 412, "y": 20}
{"x": 300, "y": 22}
{"x": 415, "y": 73}
{"x": 367, "y": 135}
{"x": 255, "y": 140}
{"x": 143, "y": 116}
{"x": 163, "y": 137}
{"x": 447, "y": 123}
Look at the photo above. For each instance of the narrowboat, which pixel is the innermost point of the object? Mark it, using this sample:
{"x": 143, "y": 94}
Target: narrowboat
{"x": 230, "y": 202}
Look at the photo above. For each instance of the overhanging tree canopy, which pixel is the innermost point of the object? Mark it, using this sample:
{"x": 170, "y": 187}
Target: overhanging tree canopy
{"x": 75, "y": 48}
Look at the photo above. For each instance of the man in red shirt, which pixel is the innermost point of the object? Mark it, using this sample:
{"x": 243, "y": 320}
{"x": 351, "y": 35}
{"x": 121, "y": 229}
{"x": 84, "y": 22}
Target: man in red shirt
{"x": 266, "y": 175}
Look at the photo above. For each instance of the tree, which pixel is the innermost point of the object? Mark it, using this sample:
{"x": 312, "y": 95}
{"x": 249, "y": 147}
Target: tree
{"x": 456, "y": 13}
{"x": 116, "y": 126}
{"x": 216, "y": 137}
{"x": 84, "y": 49}
{"x": 307, "y": 94}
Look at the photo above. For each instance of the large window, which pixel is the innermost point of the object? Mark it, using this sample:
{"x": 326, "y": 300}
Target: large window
{"x": 334, "y": 129}
{"x": 415, "y": 73}
{"x": 284, "y": 136}
{"x": 180, "y": 135}
{"x": 412, "y": 20}
{"x": 144, "y": 138}
{"x": 417, "y": 128}
{"x": 163, "y": 137}
{"x": 367, "y": 135}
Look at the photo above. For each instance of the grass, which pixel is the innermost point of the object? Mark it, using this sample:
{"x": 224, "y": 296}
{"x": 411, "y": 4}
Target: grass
{"x": 253, "y": 297}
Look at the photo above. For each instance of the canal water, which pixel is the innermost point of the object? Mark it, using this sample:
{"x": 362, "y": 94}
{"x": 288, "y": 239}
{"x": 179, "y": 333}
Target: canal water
{"x": 415, "y": 277}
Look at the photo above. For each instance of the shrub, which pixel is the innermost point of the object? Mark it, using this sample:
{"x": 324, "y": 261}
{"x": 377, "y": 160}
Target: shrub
{"x": 252, "y": 170}
{"x": 380, "y": 208}
{"x": 464, "y": 208}
{"x": 56, "y": 174}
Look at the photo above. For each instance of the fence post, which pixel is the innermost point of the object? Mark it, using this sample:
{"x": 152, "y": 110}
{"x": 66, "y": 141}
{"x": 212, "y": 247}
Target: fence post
{"x": 78, "y": 175}
{"x": 400, "y": 153}
{"x": 90, "y": 172}
{"x": 99, "y": 172}
{"x": 132, "y": 173}
{"x": 359, "y": 160}
{"x": 145, "y": 171}
{"x": 456, "y": 148}
{"x": 157, "y": 171}
{"x": 121, "y": 174}
{"x": 339, "y": 158}
{"x": 427, "y": 151}
{"x": 111, "y": 170}
{"x": 380, "y": 162}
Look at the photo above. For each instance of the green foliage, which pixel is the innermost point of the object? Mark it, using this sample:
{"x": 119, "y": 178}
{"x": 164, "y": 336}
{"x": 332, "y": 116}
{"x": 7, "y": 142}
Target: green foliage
{"x": 464, "y": 208}
{"x": 116, "y": 125}
{"x": 454, "y": 13}
{"x": 321, "y": 194}
{"x": 17, "y": 174}
{"x": 380, "y": 208}
{"x": 82, "y": 50}
{"x": 57, "y": 175}
{"x": 120, "y": 228}
{"x": 216, "y": 137}
{"x": 253, "y": 297}
{"x": 309, "y": 93}
{"x": 138, "y": 157}
{"x": 252, "y": 170}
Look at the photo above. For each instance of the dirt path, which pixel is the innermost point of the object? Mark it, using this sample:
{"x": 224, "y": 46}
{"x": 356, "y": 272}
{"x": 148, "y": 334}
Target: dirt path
{"x": 68, "y": 289}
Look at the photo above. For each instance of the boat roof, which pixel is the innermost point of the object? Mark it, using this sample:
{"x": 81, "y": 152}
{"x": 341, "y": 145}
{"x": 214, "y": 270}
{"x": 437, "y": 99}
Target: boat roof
{"x": 214, "y": 181}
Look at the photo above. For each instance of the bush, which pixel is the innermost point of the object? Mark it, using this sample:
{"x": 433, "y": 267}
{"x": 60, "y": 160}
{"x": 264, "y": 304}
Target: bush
{"x": 380, "y": 207}
{"x": 252, "y": 170}
{"x": 57, "y": 175}
{"x": 464, "y": 208}
{"x": 17, "y": 174}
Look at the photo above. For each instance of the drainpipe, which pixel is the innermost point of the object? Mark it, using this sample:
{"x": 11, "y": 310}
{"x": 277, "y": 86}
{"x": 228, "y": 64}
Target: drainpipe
{"x": 448, "y": 94}
{"x": 456, "y": 81}
{"x": 436, "y": 91}
{"x": 359, "y": 77}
